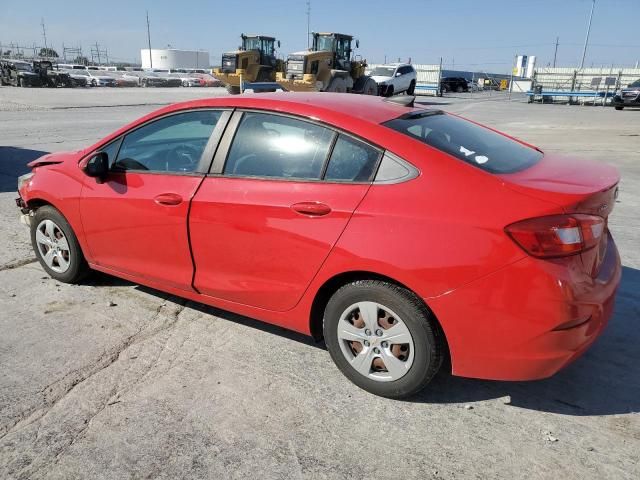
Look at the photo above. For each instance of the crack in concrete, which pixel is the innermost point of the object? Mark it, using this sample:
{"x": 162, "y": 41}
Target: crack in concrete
{"x": 83, "y": 374}
{"x": 17, "y": 264}
{"x": 71, "y": 380}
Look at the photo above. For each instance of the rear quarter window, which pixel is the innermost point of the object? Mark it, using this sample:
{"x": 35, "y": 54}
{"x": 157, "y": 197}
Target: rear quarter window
{"x": 466, "y": 141}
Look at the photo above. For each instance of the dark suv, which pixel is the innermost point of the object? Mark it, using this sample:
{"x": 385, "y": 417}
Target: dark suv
{"x": 19, "y": 74}
{"x": 453, "y": 84}
{"x": 628, "y": 97}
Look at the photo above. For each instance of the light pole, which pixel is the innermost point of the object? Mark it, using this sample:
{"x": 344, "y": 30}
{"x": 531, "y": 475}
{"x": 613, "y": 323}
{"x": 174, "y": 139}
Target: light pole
{"x": 149, "y": 41}
{"x": 586, "y": 40}
{"x": 308, "y": 23}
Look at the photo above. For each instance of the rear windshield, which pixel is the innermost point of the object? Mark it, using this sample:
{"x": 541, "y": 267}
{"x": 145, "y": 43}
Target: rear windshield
{"x": 467, "y": 141}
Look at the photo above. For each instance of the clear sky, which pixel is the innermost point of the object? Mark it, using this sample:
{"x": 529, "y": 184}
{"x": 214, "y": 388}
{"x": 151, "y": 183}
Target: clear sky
{"x": 468, "y": 34}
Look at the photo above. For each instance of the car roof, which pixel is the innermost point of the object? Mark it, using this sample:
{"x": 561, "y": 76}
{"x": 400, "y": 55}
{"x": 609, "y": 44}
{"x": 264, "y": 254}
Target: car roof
{"x": 321, "y": 105}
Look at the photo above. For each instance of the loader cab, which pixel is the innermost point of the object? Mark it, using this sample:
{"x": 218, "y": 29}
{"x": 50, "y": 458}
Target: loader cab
{"x": 337, "y": 43}
{"x": 266, "y": 46}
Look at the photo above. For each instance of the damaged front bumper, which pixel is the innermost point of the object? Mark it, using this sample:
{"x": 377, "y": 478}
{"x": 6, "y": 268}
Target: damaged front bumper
{"x": 26, "y": 213}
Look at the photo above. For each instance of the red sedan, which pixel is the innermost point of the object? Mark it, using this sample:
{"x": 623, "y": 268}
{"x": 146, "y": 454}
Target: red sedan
{"x": 402, "y": 236}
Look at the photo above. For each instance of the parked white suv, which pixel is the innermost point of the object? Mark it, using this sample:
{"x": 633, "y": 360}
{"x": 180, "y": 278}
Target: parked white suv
{"x": 394, "y": 78}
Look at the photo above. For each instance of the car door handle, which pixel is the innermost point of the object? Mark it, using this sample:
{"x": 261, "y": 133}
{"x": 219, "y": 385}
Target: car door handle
{"x": 168, "y": 199}
{"x": 313, "y": 209}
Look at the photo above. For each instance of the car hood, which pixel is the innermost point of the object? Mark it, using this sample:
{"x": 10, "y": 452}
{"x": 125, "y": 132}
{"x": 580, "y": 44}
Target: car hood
{"x": 381, "y": 78}
{"x": 54, "y": 158}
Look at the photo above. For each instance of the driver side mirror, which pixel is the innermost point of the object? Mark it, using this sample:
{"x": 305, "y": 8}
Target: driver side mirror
{"x": 357, "y": 43}
{"x": 278, "y": 43}
{"x": 398, "y": 74}
{"x": 98, "y": 166}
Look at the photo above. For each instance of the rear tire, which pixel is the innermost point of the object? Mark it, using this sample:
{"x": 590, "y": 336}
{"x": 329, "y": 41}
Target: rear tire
{"x": 412, "y": 88}
{"x": 413, "y": 359}
{"x": 56, "y": 246}
{"x": 233, "y": 90}
{"x": 337, "y": 85}
{"x": 369, "y": 86}
{"x": 459, "y": 89}
{"x": 619, "y": 108}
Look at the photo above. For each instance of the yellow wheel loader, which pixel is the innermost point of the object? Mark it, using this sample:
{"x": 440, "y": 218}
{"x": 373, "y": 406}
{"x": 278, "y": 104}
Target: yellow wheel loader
{"x": 329, "y": 66}
{"x": 254, "y": 61}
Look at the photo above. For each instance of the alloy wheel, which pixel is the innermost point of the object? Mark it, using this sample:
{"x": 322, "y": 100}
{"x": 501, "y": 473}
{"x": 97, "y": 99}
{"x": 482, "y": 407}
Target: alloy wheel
{"x": 53, "y": 246}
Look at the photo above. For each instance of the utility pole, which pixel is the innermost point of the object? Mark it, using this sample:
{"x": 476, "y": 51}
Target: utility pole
{"x": 586, "y": 40}
{"x": 308, "y": 24}
{"x": 44, "y": 34}
{"x": 98, "y": 53}
{"x": 149, "y": 41}
{"x": 555, "y": 54}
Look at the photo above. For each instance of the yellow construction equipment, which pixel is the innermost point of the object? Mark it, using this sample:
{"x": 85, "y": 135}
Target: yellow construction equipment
{"x": 254, "y": 61}
{"x": 329, "y": 66}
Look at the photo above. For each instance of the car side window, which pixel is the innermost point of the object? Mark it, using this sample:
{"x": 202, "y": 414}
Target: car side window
{"x": 112, "y": 150}
{"x": 351, "y": 161}
{"x": 268, "y": 145}
{"x": 171, "y": 144}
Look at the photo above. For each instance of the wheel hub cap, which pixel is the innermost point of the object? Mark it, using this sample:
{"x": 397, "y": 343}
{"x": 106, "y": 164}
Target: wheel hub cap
{"x": 375, "y": 341}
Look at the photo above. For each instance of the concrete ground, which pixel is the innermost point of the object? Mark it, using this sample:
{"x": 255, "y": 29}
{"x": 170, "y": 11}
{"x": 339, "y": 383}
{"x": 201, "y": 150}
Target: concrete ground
{"x": 112, "y": 380}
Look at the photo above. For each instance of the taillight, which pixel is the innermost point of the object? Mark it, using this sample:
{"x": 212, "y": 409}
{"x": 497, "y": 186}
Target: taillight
{"x": 557, "y": 235}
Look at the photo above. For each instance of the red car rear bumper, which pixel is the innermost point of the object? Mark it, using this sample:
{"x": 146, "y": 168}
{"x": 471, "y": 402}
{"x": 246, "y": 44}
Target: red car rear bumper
{"x": 537, "y": 317}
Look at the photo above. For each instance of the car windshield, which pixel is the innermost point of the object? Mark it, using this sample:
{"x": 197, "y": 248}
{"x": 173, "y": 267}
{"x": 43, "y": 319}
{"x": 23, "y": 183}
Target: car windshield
{"x": 25, "y": 67}
{"x": 471, "y": 143}
{"x": 635, "y": 84}
{"x": 84, "y": 73}
{"x": 383, "y": 71}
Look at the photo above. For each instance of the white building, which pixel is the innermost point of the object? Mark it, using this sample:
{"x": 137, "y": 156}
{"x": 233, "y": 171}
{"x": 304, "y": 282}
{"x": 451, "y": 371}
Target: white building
{"x": 170, "y": 58}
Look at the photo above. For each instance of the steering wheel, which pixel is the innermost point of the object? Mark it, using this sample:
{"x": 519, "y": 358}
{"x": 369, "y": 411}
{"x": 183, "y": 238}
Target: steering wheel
{"x": 238, "y": 167}
{"x": 182, "y": 158}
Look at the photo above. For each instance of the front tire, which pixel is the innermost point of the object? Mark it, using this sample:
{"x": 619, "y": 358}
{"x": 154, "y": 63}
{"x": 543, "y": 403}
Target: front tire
{"x": 337, "y": 85}
{"x": 382, "y": 338}
{"x": 232, "y": 90}
{"x": 412, "y": 88}
{"x": 56, "y": 246}
{"x": 619, "y": 108}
